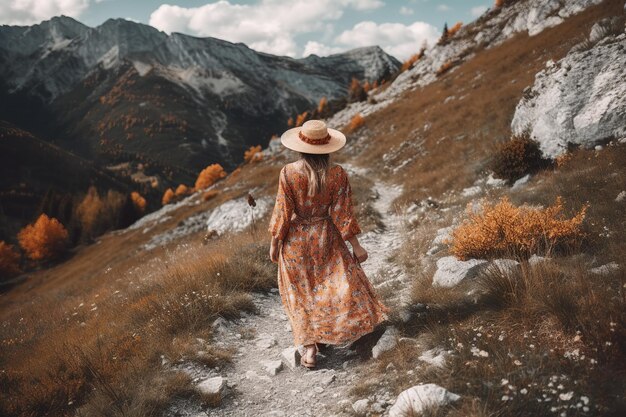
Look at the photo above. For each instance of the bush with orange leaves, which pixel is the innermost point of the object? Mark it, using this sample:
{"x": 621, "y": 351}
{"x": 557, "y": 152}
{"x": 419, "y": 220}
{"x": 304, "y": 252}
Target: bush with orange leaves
{"x": 321, "y": 106}
{"x": 499, "y": 3}
{"x": 139, "y": 202}
{"x": 454, "y": 29}
{"x": 301, "y": 118}
{"x": 46, "y": 239}
{"x": 168, "y": 196}
{"x": 502, "y": 229}
{"x": 444, "y": 68}
{"x": 253, "y": 154}
{"x": 355, "y": 123}
{"x": 209, "y": 175}
{"x": 9, "y": 261}
{"x": 182, "y": 190}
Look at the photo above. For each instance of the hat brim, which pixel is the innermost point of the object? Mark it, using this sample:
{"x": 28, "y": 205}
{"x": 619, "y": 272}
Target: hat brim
{"x": 291, "y": 140}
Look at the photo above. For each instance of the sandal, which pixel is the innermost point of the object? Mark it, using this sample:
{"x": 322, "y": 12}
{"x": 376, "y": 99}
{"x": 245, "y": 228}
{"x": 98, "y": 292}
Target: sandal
{"x": 309, "y": 364}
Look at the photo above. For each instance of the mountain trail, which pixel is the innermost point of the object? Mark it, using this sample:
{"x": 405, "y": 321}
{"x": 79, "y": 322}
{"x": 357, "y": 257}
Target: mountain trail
{"x": 260, "y": 339}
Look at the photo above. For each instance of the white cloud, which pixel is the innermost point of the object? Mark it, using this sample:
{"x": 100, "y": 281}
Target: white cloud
{"x": 320, "y": 49}
{"x": 28, "y": 12}
{"x": 268, "y": 26}
{"x": 444, "y": 8}
{"x": 399, "y": 40}
{"x": 478, "y": 10}
{"x": 406, "y": 11}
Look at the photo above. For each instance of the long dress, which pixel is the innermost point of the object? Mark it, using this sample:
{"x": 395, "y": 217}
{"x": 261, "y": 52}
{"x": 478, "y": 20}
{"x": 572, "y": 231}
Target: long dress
{"x": 323, "y": 288}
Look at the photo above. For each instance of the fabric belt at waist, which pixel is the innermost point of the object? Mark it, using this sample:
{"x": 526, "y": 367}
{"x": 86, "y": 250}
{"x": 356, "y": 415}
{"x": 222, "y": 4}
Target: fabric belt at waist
{"x": 309, "y": 220}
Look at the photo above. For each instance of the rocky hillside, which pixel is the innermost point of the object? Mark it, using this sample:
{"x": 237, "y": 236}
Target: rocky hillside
{"x": 124, "y": 91}
{"x": 483, "y": 323}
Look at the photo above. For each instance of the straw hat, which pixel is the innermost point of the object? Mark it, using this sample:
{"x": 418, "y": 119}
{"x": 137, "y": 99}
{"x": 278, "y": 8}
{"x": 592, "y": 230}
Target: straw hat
{"x": 313, "y": 137}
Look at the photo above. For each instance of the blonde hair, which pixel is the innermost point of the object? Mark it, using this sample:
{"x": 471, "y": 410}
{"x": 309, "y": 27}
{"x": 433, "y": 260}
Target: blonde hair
{"x": 315, "y": 166}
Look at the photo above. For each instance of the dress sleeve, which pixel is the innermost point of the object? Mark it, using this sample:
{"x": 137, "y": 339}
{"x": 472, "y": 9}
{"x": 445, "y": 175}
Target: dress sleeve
{"x": 341, "y": 208}
{"x": 283, "y": 209}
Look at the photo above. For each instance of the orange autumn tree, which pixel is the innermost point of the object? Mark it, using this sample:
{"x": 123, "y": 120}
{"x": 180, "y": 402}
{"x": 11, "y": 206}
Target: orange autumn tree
{"x": 139, "y": 202}
{"x": 168, "y": 196}
{"x": 209, "y": 175}
{"x": 46, "y": 239}
{"x": 454, "y": 29}
{"x": 253, "y": 154}
{"x": 9, "y": 261}
{"x": 355, "y": 123}
{"x": 321, "y": 106}
{"x": 182, "y": 190}
{"x": 502, "y": 229}
{"x": 301, "y": 118}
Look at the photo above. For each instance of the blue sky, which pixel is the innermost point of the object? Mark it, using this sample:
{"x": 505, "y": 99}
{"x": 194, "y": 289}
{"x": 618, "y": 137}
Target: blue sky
{"x": 284, "y": 27}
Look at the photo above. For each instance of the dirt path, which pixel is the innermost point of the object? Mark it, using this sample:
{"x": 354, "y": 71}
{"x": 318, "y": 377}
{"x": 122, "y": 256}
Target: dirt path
{"x": 262, "y": 337}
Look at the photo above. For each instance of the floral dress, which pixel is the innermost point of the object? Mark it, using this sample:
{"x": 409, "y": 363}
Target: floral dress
{"x": 324, "y": 290}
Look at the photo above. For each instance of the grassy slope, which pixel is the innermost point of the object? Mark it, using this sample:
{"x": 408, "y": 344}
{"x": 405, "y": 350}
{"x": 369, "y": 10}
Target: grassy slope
{"x": 94, "y": 273}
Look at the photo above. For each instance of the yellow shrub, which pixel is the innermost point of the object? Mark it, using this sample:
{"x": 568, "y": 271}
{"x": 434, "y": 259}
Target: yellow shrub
{"x": 209, "y": 175}
{"x": 503, "y": 229}
{"x": 45, "y": 239}
{"x": 9, "y": 260}
{"x": 168, "y": 196}
{"x": 182, "y": 190}
{"x": 253, "y": 154}
{"x": 356, "y": 122}
{"x": 138, "y": 201}
{"x": 445, "y": 68}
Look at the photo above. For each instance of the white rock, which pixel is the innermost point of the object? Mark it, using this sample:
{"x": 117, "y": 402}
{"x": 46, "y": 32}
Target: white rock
{"x": 439, "y": 242}
{"x": 265, "y": 341}
{"x": 291, "y": 357}
{"x": 272, "y": 366}
{"x": 583, "y": 106}
{"x": 620, "y": 197}
{"x": 387, "y": 341}
{"x": 451, "y": 271}
{"x": 536, "y": 259}
{"x": 505, "y": 265}
{"x": 495, "y": 182}
{"x": 521, "y": 181}
{"x": 471, "y": 191}
{"x": 213, "y": 386}
{"x": 435, "y": 357}
{"x": 360, "y": 407}
{"x": 419, "y": 399}
{"x": 605, "y": 269}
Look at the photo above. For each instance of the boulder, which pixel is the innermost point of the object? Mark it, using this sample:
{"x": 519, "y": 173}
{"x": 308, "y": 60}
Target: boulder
{"x": 605, "y": 269}
{"x": 581, "y": 100}
{"x": 213, "y": 386}
{"x": 451, "y": 271}
{"x": 291, "y": 357}
{"x": 418, "y": 400}
{"x": 387, "y": 341}
{"x": 272, "y": 366}
{"x": 360, "y": 407}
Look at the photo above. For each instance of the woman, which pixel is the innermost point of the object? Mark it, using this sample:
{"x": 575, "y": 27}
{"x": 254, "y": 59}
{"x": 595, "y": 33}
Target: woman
{"x": 324, "y": 290}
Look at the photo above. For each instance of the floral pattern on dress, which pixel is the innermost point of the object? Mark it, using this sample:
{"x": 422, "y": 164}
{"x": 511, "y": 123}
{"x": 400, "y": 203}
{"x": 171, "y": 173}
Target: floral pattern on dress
{"x": 324, "y": 290}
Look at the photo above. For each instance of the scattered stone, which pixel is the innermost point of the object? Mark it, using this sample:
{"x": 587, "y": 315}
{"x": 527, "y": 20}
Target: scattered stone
{"x": 451, "y": 271}
{"x": 291, "y": 357}
{"x": 318, "y": 390}
{"x": 360, "y": 407}
{"x": 620, "y": 197}
{"x": 420, "y": 399}
{"x": 390, "y": 367}
{"x": 605, "y": 269}
{"x": 471, "y": 191}
{"x": 521, "y": 181}
{"x": 387, "y": 341}
{"x": 379, "y": 407}
{"x": 436, "y": 357}
{"x": 213, "y": 386}
{"x": 536, "y": 260}
{"x": 439, "y": 242}
{"x": 505, "y": 265}
{"x": 495, "y": 182}
{"x": 265, "y": 341}
{"x": 328, "y": 379}
{"x": 272, "y": 366}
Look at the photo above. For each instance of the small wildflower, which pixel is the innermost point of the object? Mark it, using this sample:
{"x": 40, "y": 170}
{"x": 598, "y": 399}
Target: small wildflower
{"x": 523, "y": 391}
{"x": 517, "y": 362}
{"x": 567, "y": 396}
{"x": 504, "y": 382}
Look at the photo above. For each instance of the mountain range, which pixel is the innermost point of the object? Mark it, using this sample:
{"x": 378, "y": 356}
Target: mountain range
{"x": 151, "y": 108}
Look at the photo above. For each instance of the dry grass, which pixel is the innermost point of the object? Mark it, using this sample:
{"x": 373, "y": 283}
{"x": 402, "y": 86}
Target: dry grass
{"x": 100, "y": 352}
